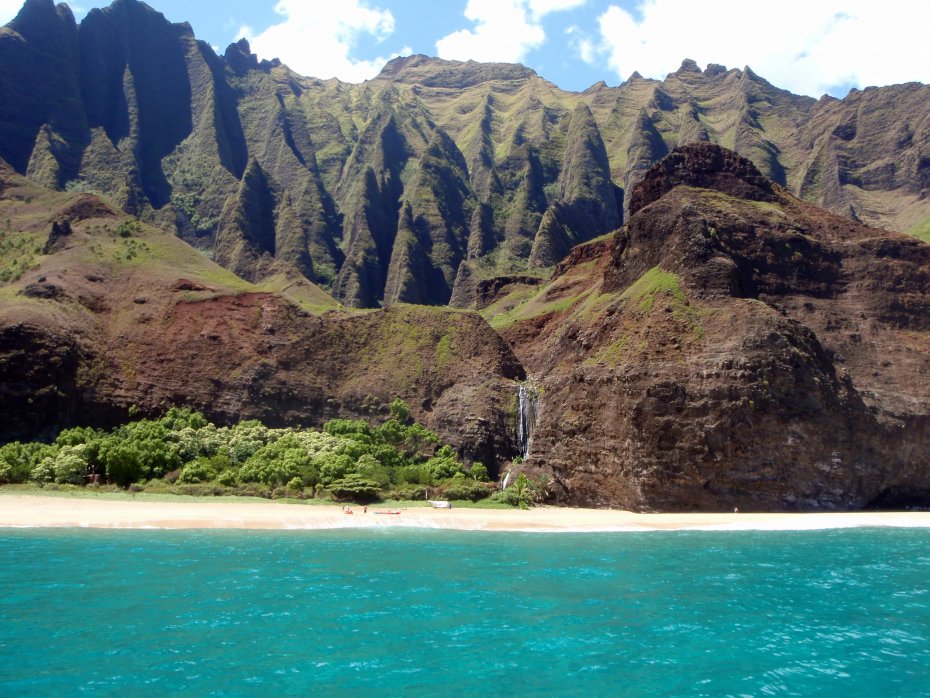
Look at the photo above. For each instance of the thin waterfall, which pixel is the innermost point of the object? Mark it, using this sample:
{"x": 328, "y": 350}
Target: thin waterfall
{"x": 526, "y": 418}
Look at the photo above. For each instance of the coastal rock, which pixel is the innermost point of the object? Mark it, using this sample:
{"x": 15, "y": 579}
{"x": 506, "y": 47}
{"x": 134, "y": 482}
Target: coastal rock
{"x": 732, "y": 346}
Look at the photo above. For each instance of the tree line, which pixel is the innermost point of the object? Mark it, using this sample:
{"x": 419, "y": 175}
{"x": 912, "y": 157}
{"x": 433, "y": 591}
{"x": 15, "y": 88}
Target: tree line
{"x": 347, "y": 460}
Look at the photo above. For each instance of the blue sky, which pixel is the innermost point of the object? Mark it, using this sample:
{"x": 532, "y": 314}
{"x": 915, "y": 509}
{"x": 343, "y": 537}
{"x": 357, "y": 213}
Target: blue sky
{"x": 807, "y": 46}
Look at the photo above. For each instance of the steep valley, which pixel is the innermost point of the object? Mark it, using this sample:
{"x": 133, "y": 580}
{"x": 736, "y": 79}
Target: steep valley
{"x": 418, "y": 184}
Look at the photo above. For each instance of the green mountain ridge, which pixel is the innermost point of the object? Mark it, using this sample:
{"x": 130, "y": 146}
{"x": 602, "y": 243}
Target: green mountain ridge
{"x": 420, "y": 183}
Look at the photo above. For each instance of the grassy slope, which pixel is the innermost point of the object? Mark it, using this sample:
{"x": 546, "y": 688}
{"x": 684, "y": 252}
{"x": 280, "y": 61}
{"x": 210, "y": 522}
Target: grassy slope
{"x": 922, "y": 230}
{"x": 136, "y": 257}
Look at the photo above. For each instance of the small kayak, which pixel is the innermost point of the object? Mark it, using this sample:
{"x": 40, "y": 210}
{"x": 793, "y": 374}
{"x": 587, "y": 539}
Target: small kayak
{"x": 388, "y": 513}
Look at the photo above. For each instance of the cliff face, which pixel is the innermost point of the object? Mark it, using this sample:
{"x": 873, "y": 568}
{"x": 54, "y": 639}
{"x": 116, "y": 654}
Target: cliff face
{"x": 730, "y": 346}
{"x": 424, "y": 182}
{"x": 99, "y": 313}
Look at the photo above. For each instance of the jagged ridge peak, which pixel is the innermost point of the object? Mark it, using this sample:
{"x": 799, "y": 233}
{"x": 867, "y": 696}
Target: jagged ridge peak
{"x": 436, "y": 72}
{"x": 35, "y": 15}
{"x": 707, "y": 166}
{"x": 135, "y": 8}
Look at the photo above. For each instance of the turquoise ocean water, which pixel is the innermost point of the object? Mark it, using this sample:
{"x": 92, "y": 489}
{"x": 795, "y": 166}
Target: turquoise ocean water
{"x": 409, "y": 612}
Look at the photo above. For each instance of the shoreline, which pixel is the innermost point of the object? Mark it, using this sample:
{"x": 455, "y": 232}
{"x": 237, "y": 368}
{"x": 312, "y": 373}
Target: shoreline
{"x": 30, "y": 511}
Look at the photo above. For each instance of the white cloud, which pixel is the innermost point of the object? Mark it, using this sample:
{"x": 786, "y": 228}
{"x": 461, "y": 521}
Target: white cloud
{"x": 319, "y": 42}
{"x": 540, "y": 8}
{"x": 804, "y": 46}
{"x": 9, "y": 9}
{"x": 506, "y": 30}
{"x": 581, "y": 44}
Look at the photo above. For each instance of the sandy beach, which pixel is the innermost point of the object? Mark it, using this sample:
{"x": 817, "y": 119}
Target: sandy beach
{"x": 24, "y": 511}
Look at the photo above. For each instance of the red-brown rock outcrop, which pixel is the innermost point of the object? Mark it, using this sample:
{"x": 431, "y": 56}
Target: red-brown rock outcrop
{"x": 734, "y": 352}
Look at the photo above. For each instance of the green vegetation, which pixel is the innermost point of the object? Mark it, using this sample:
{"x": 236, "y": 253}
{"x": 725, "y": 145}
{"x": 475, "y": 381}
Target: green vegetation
{"x": 526, "y": 304}
{"x": 182, "y": 453}
{"x": 655, "y": 283}
{"x": 922, "y": 230}
{"x": 128, "y": 228}
{"x": 18, "y": 254}
{"x": 526, "y": 491}
{"x": 651, "y": 284}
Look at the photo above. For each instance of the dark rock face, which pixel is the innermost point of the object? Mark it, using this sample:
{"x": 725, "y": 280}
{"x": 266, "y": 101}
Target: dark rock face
{"x": 705, "y": 166}
{"x": 39, "y": 380}
{"x": 61, "y": 229}
{"x": 41, "y": 108}
{"x": 135, "y": 84}
{"x": 749, "y": 352}
{"x": 259, "y": 233}
{"x": 589, "y": 203}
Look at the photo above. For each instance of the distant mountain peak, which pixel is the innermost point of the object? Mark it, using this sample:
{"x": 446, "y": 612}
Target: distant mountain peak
{"x": 419, "y": 69}
{"x": 39, "y": 13}
{"x": 240, "y": 58}
{"x": 689, "y": 66}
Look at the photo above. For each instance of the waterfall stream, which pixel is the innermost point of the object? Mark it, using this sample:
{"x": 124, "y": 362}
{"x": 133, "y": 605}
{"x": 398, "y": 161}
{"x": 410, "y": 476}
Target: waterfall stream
{"x": 526, "y": 418}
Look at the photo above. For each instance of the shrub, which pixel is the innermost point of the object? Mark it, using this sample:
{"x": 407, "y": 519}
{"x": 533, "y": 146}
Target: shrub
{"x": 391, "y": 432}
{"x": 44, "y": 472}
{"x": 182, "y": 450}
{"x": 17, "y": 460}
{"x": 524, "y": 491}
{"x": 347, "y": 427}
{"x": 444, "y": 464}
{"x": 419, "y": 438}
{"x": 200, "y": 470}
{"x": 518, "y": 494}
{"x": 400, "y": 411}
{"x": 468, "y": 490}
{"x": 355, "y": 488}
{"x": 479, "y": 471}
{"x": 76, "y": 436}
{"x": 334, "y": 466}
{"x": 122, "y": 461}
{"x": 71, "y": 465}
{"x": 416, "y": 474}
{"x": 280, "y": 462}
{"x": 408, "y": 492}
{"x": 370, "y": 468}
{"x": 178, "y": 418}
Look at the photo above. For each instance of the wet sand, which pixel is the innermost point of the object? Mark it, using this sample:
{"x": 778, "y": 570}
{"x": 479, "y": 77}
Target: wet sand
{"x": 25, "y": 511}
